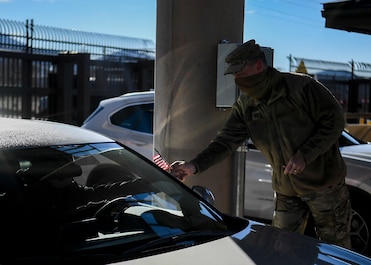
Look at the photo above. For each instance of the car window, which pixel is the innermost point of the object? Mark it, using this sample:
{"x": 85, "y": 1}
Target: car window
{"x": 137, "y": 118}
{"x": 347, "y": 140}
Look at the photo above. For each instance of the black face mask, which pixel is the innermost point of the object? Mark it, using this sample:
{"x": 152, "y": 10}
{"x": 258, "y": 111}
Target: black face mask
{"x": 256, "y": 86}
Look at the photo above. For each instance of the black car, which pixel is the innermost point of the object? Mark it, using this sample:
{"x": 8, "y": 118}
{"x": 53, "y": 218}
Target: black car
{"x": 69, "y": 195}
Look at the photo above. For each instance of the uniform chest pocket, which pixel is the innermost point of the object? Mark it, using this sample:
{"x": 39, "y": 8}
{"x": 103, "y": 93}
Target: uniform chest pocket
{"x": 259, "y": 126}
{"x": 257, "y": 114}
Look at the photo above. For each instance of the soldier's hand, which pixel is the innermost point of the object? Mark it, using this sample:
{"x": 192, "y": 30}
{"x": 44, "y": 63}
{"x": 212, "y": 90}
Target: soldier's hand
{"x": 295, "y": 165}
{"x": 181, "y": 170}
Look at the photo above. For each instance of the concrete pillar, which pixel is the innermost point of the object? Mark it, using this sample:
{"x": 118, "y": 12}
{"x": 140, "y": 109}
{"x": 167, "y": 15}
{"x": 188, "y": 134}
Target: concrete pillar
{"x": 186, "y": 117}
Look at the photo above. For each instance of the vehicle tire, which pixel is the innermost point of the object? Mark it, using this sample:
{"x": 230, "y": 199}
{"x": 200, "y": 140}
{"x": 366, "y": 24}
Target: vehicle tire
{"x": 361, "y": 221}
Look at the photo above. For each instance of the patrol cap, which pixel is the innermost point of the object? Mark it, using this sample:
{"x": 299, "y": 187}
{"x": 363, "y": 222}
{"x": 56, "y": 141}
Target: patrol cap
{"x": 237, "y": 59}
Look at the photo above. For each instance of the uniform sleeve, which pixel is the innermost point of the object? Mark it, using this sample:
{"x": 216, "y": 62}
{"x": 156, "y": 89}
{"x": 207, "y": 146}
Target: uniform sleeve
{"x": 328, "y": 116}
{"x": 227, "y": 140}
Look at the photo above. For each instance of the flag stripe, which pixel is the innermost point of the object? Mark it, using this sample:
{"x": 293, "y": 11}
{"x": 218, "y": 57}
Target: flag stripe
{"x": 161, "y": 162}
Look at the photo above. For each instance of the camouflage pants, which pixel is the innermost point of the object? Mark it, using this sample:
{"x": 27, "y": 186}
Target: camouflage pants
{"x": 330, "y": 209}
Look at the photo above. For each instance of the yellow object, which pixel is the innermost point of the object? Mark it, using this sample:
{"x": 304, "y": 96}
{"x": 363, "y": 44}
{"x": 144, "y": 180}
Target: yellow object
{"x": 301, "y": 68}
{"x": 360, "y": 131}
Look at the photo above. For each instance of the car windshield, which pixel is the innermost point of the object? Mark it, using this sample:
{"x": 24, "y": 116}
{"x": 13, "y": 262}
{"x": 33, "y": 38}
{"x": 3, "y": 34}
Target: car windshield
{"x": 94, "y": 196}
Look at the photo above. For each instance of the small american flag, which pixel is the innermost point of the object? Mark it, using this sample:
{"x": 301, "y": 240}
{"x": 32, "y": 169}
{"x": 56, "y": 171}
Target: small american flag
{"x": 160, "y": 161}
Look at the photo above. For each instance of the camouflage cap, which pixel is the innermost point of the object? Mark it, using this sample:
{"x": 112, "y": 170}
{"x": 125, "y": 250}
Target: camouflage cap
{"x": 237, "y": 59}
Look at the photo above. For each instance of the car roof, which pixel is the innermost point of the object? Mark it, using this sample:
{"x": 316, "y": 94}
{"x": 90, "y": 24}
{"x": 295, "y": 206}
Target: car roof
{"x": 31, "y": 133}
{"x": 132, "y": 97}
{"x": 139, "y": 93}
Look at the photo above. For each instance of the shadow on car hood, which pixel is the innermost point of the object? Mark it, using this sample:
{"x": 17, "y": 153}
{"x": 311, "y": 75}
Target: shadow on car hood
{"x": 268, "y": 245}
{"x": 258, "y": 244}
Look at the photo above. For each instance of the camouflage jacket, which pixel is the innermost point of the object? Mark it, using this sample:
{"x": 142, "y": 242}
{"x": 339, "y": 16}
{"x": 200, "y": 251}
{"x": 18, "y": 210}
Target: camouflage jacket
{"x": 301, "y": 115}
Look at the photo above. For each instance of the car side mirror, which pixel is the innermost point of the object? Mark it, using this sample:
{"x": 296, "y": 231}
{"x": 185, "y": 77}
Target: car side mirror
{"x": 204, "y": 193}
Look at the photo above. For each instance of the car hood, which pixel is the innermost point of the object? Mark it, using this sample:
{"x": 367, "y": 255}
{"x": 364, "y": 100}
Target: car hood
{"x": 361, "y": 151}
{"x": 258, "y": 244}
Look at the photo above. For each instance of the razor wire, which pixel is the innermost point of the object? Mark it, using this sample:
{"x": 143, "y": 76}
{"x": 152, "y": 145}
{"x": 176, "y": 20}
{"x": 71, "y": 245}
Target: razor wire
{"x": 39, "y": 39}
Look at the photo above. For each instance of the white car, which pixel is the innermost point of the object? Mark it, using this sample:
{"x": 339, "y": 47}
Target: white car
{"x": 73, "y": 196}
{"x": 128, "y": 119}
{"x": 258, "y": 201}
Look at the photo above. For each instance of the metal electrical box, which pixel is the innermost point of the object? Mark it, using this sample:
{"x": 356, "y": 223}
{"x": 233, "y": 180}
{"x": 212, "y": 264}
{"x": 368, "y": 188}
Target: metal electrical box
{"x": 226, "y": 90}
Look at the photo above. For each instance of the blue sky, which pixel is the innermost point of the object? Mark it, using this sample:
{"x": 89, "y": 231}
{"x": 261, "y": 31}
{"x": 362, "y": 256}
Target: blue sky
{"x": 288, "y": 26}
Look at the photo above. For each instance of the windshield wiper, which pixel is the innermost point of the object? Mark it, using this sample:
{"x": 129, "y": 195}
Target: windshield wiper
{"x": 108, "y": 255}
{"x": 176, "y": 242}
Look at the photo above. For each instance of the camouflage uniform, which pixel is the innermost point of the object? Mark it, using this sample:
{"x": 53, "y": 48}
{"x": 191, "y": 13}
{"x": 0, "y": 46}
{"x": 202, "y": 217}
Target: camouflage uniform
{"x": 300, "y": 116}
{"x": 330, "y": 208}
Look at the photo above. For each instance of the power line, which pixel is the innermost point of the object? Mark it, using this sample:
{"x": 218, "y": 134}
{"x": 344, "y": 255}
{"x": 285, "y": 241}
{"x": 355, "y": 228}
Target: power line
{"x": 283, "y": 15}
{"x": 300, "y": 3}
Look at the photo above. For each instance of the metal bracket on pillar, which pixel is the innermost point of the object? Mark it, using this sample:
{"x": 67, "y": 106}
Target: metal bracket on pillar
{"x": 238, "y": 193}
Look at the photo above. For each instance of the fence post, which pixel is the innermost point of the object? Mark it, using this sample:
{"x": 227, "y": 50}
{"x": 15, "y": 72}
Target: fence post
{"x": 29, "y": 35}
{"x": 65, "y": 86}
{"x": 83, "y": 87}
{"x": 26, "y": 89}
